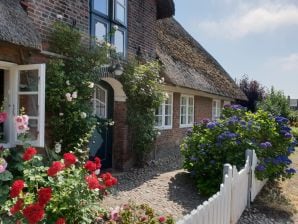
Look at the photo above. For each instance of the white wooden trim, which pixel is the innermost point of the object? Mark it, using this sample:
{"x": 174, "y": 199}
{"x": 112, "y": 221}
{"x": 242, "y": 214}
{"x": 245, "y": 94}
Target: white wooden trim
{"x": 188, "y": 91}
{"x": 187, "y": 125}
{"x": 163, "y": 126}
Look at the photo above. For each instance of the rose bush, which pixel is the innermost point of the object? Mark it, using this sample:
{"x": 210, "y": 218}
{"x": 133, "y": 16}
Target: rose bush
{"x": 211, "y": 144}
{"x": 65, "y": 192}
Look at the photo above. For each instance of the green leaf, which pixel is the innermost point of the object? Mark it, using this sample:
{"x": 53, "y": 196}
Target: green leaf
{"x": 6, "y": 176}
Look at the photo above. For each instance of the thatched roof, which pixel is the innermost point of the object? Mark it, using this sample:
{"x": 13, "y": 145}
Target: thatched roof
{"x": 188, "y": 64}
{"x": 165, "y": 9}
{"x": 15, "y": 25}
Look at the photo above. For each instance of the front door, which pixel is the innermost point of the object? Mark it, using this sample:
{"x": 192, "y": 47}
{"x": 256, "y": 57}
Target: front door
{"x": 101, "y": 141}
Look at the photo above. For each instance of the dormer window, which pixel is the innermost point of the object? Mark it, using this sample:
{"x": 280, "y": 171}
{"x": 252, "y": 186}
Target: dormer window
{"x": 106, "y": 14}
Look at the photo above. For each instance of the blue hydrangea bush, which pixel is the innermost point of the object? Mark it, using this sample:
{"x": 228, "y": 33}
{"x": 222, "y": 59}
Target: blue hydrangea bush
{"x": 211, "y": 144}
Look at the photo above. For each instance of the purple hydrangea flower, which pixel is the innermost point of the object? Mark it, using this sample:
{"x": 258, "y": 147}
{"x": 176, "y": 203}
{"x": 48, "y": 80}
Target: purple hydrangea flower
{"x": 212, "y": 124}
{"x": 281, "y": 120}
{"x": 237, "y": 107}
{"x": 290, "y": 171}
{"x": 266, "y": 145}
{"x": 288, "y": 135}
{"x": 205, "y": 121}
{"x": 260, "y": 168}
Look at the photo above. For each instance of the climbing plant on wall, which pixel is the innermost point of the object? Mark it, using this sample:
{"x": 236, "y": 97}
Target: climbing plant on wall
{"x": 69, "y": 86}
{"x": 141, "y": 83}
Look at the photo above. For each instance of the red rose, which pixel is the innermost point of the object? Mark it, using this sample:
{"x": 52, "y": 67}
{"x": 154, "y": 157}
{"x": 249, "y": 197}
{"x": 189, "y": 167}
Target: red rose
{"x": 60, "y": 221}
{"x": 91, "y": 166}
{"x": 17, "y": 207}
{"x": 55, "y": 168}
{"x": 16, "y": 188}
{"x": 92, "y": 182}
{"x": 29, "y": 153}
{"x": 97, "y": 162}
{"x": 69, "y": 159}
{"x": 44, "y": 195}
{"x": 162, "y": 219}
{"x": 106, "y": 176}
{"x": 33, "y": 213}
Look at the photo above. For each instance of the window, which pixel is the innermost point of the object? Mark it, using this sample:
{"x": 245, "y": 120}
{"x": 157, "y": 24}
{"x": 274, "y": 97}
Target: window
{"x": 99, "y": 102}
{"x": 216, "y": 109}
{"x": 106, "y": 14}
{"x": 24, "y": 86}
{"x": 164, "y": 114}
{"x": 186, "y": 111}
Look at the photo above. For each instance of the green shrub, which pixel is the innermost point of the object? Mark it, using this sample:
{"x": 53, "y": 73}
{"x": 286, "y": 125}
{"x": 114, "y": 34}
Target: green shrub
{"x": 211, "y": 144}
{"x": 295, "y": 132}
{"x": 275, "y": 103}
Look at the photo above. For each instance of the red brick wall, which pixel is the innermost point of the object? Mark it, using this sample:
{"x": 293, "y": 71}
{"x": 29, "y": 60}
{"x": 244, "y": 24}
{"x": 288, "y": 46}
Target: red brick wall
{"x": 169, "y": 140}
{"x": 141, "y": 27}
{"x": 203, "y": 108}
{"x": 141, "y": 20}
{"x": 44, "y": 13}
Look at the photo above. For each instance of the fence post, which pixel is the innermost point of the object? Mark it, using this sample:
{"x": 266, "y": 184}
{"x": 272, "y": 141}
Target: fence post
{"x": 249, "y": 155}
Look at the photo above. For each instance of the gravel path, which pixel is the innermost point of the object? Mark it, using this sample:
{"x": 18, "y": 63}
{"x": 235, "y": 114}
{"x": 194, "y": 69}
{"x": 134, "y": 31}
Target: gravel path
{"x": 162, "y": 184}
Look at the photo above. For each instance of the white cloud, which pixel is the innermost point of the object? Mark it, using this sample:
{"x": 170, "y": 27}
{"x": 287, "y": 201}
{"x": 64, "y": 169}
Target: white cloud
{"x": 250, "y": 20}
{"x": 288, "y": 63}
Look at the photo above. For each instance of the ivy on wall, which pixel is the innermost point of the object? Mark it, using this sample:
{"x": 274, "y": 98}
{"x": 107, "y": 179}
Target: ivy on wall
{"x": 141, "y": 83}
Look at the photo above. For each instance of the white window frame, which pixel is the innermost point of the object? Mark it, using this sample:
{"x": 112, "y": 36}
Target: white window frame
{"x": 188, "y": 97}
{"x": 216, "y": 111}
{"x": 163, "y": 115}
{"x": 13, "y": 109}
{"x": 94, "y": 99}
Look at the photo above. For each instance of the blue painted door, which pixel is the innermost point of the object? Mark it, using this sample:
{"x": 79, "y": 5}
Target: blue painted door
{"x": 101, "y": 141}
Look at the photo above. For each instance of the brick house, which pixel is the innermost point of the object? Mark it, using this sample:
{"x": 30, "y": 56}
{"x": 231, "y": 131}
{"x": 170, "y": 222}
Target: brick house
{"x": 196, "y": 84}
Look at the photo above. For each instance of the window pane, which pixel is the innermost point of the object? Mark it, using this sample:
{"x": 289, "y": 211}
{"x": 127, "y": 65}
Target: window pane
{"x": 183, "y": 110}
{"x": 169, "y": 100}
{"x": 101, "y": 6}
{"x": 168, "y": 120}
{"x": 33, "y": 129}
{"x": 190, "y": 110}
{"x": 120, "y": 13}
{"x": 158, "y": 111}
{"x": 122, "y": 2}
{"x": 158, "y": 121}
{"x": 119, "y": 41}
{"x": 191, "y": 101}
{"x": 183, "y": 119}
{"x": 183, "y": 100}
{"x": 168, "y": 110}
{"x": 101, "y": 30}
{"x": 190, "y": 119}
{"x": 30, "y": 103}
{"x": 28, "y": 81}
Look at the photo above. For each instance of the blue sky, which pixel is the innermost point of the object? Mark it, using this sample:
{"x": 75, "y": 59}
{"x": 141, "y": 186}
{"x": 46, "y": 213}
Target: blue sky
{"x": 258, "y": 38}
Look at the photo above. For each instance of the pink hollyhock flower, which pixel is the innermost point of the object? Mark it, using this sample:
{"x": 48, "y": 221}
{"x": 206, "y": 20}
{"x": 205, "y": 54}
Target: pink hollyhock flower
{"x": 3, "y": 117}
{"x": 21, "y": 122}
{"x": 3, "y": 165}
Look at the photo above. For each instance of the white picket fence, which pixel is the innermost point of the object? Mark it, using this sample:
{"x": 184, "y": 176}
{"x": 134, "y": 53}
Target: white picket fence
{"x": 236, "y": 192}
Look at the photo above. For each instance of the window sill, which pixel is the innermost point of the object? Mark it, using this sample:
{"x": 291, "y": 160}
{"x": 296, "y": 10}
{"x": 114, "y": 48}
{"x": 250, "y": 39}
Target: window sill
{"x": 163, "y": 127}
{"x": 186, "y": 126}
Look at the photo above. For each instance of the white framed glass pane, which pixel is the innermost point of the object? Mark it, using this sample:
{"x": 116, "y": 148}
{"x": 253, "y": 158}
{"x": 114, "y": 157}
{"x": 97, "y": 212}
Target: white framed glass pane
{"x": 101, "y": 6}
{"x": 168, "y": 120}
{"x": 190, "y": 119}
{"x": 183, "y": 100}
{"x": 183, "y": 110}
{"x": 29, "y": 103}
{"x": 122, "y": 2}
{"x": 158, "y": 121}
{"x": 158, "y": 111}
{"x": 101, "y": 30}
{"x": 100, "y": 102}
{"x": 168, "y": 110}
{"x": 183, "y": 120}
{"x": 190, "y": 111}
{"x": 119, "y": 41}
{"x": 33, "y": 129}
{"x": 28, "y": 81}
{"x": 120, "y": 12}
